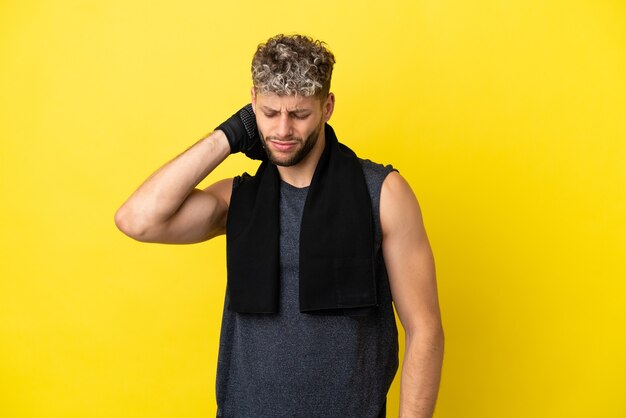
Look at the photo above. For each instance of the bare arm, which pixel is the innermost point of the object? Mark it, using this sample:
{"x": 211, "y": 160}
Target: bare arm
{"x": 411, "y": 269}
{"x": 167, "y": 207}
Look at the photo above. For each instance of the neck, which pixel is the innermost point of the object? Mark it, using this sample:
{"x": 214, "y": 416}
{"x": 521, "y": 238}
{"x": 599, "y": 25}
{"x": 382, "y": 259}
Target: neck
{"x": 301, "y": 174}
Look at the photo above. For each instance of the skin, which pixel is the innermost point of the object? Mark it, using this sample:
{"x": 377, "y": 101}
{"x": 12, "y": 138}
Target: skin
{"x": 284, "y": 122}
{"x": 168, "y": 208}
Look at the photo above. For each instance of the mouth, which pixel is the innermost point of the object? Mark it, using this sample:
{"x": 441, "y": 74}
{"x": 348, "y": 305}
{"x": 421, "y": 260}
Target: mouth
{"x": 283, "y": 146}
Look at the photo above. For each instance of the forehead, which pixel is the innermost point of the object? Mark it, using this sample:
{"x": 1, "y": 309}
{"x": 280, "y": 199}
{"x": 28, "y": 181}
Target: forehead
{"x": 287, "y": 103}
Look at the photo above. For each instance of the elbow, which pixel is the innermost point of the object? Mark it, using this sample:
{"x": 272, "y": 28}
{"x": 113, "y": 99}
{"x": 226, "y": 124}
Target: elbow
{"x": 431, "y": 335}
{"x": 130, "y": 225}
{"x": 440, "y": 338}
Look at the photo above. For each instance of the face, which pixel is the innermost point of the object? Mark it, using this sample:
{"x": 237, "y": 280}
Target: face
{"x": 291, "y": 126}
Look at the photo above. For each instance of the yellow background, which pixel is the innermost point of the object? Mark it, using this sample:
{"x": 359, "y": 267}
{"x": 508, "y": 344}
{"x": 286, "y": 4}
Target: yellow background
{"x": 508, "y": 118}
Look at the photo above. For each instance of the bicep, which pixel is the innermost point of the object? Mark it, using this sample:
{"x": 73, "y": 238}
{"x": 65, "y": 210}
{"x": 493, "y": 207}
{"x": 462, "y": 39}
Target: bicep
{"x": 201, "y": 216}
{"x": 408, "y": 256}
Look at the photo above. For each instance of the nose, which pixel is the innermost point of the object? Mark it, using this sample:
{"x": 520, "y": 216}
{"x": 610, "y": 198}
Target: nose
{"x": 284, "y": 128}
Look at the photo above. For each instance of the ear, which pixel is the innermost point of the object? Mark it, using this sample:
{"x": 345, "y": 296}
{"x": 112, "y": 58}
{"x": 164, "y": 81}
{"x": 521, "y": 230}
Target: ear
{"x": 328, "y": 107}
{"x": 253, "y": 98}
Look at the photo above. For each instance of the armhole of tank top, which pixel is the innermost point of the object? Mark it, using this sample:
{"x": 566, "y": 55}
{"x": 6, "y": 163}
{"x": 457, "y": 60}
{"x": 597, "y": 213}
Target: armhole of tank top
{"x": 388, "y": 169}
{"x": 376, "y": 174}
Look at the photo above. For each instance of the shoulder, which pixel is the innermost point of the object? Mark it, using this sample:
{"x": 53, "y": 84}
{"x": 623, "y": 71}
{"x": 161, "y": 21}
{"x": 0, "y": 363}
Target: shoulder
{"x": 375, "y": 174}
{"x": 221, "y": 189}
{"x": 398, "y": 204}
{"x": 372, "y": 169}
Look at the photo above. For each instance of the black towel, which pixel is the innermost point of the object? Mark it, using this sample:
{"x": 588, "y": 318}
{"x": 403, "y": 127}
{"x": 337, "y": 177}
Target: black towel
{"x": 336, "y": 238}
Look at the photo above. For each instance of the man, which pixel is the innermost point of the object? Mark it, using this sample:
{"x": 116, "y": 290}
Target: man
{"x": 319, "y": 244}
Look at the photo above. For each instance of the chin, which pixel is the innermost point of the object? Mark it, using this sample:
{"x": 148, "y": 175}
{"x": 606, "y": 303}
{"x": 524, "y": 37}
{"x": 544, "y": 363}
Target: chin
{"x": 288, "y": 161}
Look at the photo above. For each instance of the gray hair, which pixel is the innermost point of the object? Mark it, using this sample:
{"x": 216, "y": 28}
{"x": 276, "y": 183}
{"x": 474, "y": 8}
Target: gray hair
{"x": 292, "y": 65}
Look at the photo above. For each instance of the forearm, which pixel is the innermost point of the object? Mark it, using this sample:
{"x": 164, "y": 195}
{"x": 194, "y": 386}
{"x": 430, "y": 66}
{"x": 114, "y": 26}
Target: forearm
{"x": 421, "y": 374}
{"x": 162, "y": 194}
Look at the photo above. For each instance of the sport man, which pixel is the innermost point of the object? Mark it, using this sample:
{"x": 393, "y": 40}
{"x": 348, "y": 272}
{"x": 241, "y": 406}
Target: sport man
{"x": 319, "y": 245}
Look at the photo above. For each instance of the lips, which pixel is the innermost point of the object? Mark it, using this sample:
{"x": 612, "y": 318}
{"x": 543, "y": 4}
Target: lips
{"x": 283, "y": 146}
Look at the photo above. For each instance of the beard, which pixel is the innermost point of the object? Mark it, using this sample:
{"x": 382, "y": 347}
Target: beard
{"x": 304, "y": 148}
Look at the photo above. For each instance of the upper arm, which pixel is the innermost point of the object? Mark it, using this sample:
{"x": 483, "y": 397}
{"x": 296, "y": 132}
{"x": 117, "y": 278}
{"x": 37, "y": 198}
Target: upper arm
{"x": 201, "y": 216}
{"x": 408, "y": 257}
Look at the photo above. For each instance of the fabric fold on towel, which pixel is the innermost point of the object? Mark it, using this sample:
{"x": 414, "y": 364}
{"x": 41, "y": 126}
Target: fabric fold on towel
{"x": 336, "y": 238}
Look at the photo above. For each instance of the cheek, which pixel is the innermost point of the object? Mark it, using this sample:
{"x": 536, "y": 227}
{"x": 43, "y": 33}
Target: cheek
{"x": 308, "y": 126}
{"x": 262, "y": 126}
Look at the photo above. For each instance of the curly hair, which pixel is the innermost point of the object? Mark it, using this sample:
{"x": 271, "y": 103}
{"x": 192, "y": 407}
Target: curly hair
{"x": 292, "y": 65}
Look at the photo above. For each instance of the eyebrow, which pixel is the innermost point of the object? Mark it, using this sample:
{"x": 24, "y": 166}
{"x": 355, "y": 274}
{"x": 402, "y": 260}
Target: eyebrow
{"x": 295, "y": 111}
